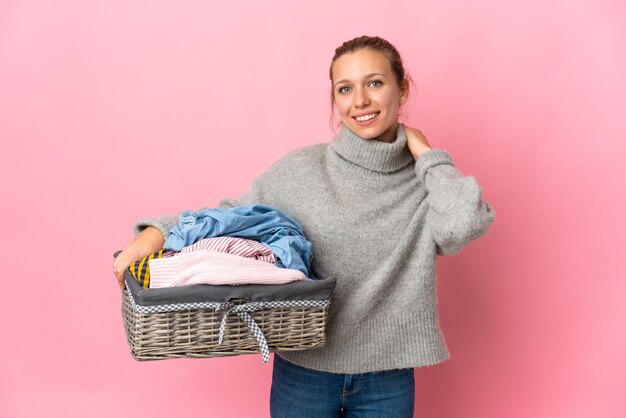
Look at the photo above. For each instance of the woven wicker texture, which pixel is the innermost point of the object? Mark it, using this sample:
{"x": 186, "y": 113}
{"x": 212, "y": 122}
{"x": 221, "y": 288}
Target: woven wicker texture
{"x": 195, "y": 332}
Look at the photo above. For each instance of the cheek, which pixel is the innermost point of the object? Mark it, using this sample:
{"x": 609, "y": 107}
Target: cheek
{"x": 396, "y": 109}
{"x": 342, "y": 106}
{"x": 383, "y": 99}
{"x": 392, "y": 104}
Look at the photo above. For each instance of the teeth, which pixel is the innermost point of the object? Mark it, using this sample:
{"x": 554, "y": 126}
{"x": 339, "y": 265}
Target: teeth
{"x": 366, "y": 117}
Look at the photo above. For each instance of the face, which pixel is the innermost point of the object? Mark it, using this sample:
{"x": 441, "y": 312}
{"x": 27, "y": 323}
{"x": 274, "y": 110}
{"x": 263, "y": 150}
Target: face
{"x": 367, "y": 94}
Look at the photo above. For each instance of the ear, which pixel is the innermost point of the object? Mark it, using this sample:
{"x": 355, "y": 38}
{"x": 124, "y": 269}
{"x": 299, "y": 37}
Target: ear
{"x": 404, "y": 92}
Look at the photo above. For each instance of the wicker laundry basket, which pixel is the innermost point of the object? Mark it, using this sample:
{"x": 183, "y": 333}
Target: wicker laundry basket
{"x": 211, "y": 321}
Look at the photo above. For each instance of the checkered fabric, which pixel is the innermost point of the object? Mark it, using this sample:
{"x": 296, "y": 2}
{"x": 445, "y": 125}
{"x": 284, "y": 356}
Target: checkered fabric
{"x": 141, "y": 269}
{"x": 242, "y": 312}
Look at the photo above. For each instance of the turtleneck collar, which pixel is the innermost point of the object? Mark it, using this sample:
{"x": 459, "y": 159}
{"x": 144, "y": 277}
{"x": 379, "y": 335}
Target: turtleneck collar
{"x": 372, "y": 154}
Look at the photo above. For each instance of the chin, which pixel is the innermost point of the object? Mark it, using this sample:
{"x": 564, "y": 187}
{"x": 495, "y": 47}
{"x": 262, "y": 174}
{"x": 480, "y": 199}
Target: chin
{"x": 366, "y": 133}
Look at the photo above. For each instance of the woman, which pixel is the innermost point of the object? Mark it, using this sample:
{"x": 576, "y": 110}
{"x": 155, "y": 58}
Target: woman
{"x": 378, "y": 204}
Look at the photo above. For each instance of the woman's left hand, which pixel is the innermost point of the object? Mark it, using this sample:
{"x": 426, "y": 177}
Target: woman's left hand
{"x": 416, "y": 141}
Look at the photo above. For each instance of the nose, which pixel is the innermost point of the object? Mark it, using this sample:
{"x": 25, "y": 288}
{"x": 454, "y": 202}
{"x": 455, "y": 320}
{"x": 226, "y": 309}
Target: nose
{"x": 361, "y": 99}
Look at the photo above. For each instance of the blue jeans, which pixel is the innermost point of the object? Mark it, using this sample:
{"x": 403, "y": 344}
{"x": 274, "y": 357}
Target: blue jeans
{"x": 300, "y": 392}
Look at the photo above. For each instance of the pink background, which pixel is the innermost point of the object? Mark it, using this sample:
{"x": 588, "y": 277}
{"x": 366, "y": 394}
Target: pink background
{"x": 111, "y": 111}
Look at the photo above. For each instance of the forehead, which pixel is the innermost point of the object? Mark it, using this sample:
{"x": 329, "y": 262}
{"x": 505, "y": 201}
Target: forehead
{"x": 355, "y": 65}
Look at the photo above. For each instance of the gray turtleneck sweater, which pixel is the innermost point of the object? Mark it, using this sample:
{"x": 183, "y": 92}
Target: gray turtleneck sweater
{"x": 376, "y": 219}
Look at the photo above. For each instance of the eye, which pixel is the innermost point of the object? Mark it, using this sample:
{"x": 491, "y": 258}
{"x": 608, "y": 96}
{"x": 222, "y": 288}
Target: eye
{"x": 376, "y": 83}
{"x": 343, "y": 89}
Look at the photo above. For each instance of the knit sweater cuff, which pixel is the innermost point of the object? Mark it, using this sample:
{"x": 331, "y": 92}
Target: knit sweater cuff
{"x": 431, "y": 158}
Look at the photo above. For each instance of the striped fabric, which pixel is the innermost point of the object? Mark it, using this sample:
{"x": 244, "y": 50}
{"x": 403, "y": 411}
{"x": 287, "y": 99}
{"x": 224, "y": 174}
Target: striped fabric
{"x": 242, "y": 247}
{"x": 212, "y": 267}
{"x": 236, "y": 246}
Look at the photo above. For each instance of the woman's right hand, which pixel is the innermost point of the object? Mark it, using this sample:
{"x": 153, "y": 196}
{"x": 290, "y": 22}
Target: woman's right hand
{"x": 148, "y": 241}
{"x": 416, "y": 141}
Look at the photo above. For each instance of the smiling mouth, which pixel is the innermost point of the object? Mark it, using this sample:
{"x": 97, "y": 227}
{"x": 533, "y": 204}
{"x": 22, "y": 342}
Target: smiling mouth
{"x": 365, "y": 118}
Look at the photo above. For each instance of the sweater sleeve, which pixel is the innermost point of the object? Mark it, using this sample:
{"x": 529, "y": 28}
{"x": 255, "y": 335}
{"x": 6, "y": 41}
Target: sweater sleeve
{"x": 246, "y": 198}
{"x": 163, "y": 223}
{"x": 252, "y": 196}
{"x": 457, "y": 214}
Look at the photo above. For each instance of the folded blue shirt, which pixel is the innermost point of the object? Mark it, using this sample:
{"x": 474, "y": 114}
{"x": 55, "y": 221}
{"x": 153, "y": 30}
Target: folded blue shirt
{"x": 266, "y": 224}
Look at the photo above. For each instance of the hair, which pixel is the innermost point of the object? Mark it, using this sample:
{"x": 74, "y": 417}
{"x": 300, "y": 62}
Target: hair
{"x": 374, "y": 43}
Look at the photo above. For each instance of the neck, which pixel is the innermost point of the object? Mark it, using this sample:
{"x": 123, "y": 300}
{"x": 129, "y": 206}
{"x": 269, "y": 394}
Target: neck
{"x": 389, "y": 135}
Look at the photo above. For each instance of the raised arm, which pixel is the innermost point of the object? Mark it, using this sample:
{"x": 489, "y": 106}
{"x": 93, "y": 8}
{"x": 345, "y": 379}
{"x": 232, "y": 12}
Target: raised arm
{"x": 457, "y": 214}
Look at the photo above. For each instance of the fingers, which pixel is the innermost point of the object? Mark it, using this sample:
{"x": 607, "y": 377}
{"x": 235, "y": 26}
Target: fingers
{"x": 119, "y": 274}
{"x": 148, "y": 241}
{"x": 120, "y": 264}
{"x": 412, "y": 132}
{"x": 416, "y": 142}
{"x": 120, "y": 278}
{"x": 416, "y": 134}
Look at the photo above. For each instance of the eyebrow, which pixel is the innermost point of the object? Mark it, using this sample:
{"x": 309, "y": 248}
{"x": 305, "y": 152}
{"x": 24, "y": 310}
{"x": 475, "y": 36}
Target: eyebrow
{"x": 370, "y": 75}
